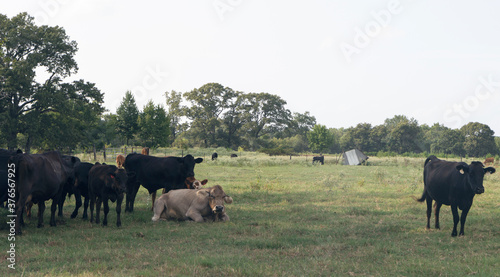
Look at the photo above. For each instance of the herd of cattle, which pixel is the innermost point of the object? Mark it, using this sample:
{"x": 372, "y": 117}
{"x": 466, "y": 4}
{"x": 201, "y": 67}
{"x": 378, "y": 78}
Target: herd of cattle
{"x": 41, "y": 177}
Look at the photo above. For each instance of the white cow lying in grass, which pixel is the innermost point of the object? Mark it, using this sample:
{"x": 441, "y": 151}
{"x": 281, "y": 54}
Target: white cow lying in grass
{"x": 197, "y": 205}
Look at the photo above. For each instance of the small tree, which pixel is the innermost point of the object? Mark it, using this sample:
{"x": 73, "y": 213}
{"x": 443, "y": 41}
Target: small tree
{"x": 154, "y": 126}
{"x": 127, "y": 117}
{"x": 320, "y": 139}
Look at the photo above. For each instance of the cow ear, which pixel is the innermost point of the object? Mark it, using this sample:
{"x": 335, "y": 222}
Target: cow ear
{"x": 463, "y": 168}
{"x": 228, "y": 199}
{"x": 204, "y": 182}
{"x": 489, "y": 170}
{"x": 199, "y": 160}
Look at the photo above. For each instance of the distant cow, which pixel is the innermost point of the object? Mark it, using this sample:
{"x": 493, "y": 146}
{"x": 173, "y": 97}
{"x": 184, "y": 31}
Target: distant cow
{"x": 215, "y": 156}
{"x": 81, "y": 188}
{"x": 155, "y": 173}
{"x": 197, "y": 205}
{"x": 489, "y": 161}
{"x": 120, "y": 160}
{"x": 320, "y": 159}
{"x": 234, "y": 156}
{"x": 145, "y": 151}
{"x": 454, "y": 184}
{"x": 106, "y": 182}
{"x": 41, "y": 177}
{"x": 4, "y": 184}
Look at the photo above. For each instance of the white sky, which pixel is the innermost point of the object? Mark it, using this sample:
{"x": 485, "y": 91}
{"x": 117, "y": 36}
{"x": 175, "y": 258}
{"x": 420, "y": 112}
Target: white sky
{"x": 346, "y": 62}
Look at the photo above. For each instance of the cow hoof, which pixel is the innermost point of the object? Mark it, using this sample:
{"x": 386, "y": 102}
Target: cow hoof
{"x": 73, "y": 215}
{"x": 118, "y": 224}
{"x": 39, "y": 226}
{"x": 104, "y": 223}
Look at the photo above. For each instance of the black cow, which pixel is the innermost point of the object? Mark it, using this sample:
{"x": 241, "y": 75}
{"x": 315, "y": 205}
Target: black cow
{"x": 106, "y": 182}
{"x": 215, "y": 156}
{"x": 234, "y": 156}
{"x": 155, "y": 173}
{"x": 454, "y": 184}
{"x": 320, "y": 159}
{"x": 81, "y": 188}
{"x": 41, "y": 177}
{"x": 4, "y": 158}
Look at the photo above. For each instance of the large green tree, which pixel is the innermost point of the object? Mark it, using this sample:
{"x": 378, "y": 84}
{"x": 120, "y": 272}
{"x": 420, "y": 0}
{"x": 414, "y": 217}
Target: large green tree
{"x": 264, "y": 114}
{"x": 208, "y": 104}
{"x": 127, "y": 117}
{"x": 479, "y": 139}
{"x": 32, "y": 105}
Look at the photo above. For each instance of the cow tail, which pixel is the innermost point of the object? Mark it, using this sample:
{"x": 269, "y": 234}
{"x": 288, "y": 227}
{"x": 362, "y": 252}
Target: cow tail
{"x": 424, "y": 196}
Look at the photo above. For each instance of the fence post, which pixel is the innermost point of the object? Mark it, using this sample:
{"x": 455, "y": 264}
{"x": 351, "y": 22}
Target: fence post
{"x": 104, "y": 152}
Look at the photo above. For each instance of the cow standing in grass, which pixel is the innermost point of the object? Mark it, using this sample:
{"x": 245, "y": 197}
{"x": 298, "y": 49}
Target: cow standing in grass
{"x": 454, "y": 184}
{"x": 40, "y": 177}
{"x": 106, "y": 182}
{"x": 155, "y": 173}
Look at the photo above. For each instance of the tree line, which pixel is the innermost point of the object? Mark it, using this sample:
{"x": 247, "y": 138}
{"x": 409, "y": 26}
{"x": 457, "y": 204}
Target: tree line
{"x": 48, "y": 113}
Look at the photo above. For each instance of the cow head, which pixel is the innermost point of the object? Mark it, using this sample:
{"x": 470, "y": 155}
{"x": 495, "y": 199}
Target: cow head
{"x": 193, "y": 183}
{"x": 187, "y": 165}
{"x": 475, "y": 173}
{"x": 118, "y": 180}
{"x": 216, "y": 199}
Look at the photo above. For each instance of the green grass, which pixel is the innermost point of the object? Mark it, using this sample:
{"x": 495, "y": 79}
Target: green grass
{"x": 288, "y": 218}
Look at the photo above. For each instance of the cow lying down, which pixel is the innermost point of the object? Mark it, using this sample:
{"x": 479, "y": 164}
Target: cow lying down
{"x": 197, "y": 205}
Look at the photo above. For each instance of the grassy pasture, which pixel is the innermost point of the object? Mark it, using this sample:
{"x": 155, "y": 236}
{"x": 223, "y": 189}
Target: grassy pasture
{"x": 289, "y": 218}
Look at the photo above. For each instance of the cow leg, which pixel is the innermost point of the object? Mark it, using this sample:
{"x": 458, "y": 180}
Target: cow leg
{"x": 153, "y": 198}
{"x": 20, "y": 206}
{"x": 41, "y": 209}
{"x": 160, "y": 206}
{"x": 194, "y": 215}
{"x": 53, "y": 209}
{"x": 106, "y": 211}
{"x": 92, "y": 203}
{"x": 463, "y": 217}
{"x": 98, "y": 209}
{"x": 428, "y": 201}
{"x": 78, "y": 204}
{"x": 456, "y": 218}
{"x": 438, "y": 208}
{"x": 85, "y": 207}
{"x": 61, "y": 204}
{"x": 119, "y": 201}
{"x": 28, "y": 208}
{"x": 130, "y": 198}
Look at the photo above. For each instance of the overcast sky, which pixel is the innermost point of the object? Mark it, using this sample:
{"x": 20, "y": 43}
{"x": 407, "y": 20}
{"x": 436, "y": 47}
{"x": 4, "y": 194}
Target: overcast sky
{"x": 346, "y": 62}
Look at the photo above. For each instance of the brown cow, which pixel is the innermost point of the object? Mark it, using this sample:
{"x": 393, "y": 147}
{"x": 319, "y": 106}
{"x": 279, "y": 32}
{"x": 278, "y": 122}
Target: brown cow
{"x": 145, "y": 151}
{"x": 120, "y": 160}
{"x": 195, "y": 184}
{"x": 197, "y": 205}
{"x": 489, "y": 161}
